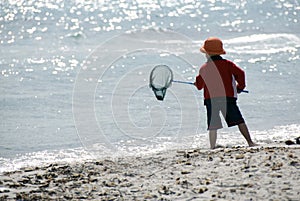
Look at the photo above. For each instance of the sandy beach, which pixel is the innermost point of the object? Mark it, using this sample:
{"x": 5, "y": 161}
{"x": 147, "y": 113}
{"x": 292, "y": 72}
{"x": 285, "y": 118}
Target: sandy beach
{"x": 238, "y": 173}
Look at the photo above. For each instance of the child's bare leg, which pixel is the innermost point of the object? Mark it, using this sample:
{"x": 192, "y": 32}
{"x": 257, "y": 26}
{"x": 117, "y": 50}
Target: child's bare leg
{"x": 213, "y": 138}
{"x": 245, "y": 132}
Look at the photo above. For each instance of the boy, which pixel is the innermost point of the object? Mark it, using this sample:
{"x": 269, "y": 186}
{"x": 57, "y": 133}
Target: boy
{"x": 221, "y": 80}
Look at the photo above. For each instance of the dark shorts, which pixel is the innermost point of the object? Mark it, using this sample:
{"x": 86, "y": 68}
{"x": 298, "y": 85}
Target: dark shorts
{"x": 229, "y": 109}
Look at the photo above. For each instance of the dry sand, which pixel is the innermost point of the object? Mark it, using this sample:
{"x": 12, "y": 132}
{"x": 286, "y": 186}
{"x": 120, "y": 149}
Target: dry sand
{"x": 238, "y": 173}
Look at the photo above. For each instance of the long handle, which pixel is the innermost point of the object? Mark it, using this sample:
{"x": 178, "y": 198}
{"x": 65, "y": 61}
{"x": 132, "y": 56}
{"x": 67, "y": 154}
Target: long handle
{"x": 184, "y": 82}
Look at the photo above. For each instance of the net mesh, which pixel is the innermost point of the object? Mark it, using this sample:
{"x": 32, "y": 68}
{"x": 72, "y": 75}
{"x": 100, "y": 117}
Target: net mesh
{"x": 161, "y": 78}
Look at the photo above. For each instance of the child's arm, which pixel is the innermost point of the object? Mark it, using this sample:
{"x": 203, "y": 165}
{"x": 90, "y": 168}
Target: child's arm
{"x": 199, "y": 83}
{"x": 239, "y": 76}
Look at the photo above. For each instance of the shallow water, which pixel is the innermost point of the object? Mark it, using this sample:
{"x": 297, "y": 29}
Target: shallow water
{"x": 74, "y": 74}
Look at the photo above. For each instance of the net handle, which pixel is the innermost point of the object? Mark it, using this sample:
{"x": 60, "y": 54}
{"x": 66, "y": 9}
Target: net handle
{"x": 184, "y": 82}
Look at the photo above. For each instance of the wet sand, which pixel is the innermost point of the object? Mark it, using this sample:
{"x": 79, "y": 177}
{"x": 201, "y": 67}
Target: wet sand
{"x": 238, "y": 173}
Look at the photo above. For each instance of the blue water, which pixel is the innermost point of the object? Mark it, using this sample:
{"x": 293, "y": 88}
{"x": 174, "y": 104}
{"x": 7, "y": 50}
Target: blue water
{"x": 74, "y": 75}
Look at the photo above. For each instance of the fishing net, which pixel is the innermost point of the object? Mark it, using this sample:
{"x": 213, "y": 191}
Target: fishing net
{"x": 161, "y": 78}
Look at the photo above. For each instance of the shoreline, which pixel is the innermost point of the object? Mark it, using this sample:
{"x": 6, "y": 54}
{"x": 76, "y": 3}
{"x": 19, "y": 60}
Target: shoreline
{"x": 236, "y": 173}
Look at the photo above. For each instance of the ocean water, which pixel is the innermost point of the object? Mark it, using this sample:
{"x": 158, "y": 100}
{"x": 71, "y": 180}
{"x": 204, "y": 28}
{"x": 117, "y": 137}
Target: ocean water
{"x": 74, "y": 75}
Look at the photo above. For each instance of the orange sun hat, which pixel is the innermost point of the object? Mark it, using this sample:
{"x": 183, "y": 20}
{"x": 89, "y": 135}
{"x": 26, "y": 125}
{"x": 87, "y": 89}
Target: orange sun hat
{"x": 213, "y": 46}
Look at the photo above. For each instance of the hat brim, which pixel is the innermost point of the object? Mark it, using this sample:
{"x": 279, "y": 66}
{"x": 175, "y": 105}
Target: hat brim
{"x": 212, "y": 53}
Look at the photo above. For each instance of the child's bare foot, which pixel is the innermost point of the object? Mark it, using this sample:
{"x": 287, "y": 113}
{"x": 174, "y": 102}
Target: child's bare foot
{"x": 217, "y": 146}
{"x": 252, "y": 144}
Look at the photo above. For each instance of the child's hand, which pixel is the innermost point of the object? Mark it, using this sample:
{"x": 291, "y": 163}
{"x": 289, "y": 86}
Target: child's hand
{"x": 239, "y": 90}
